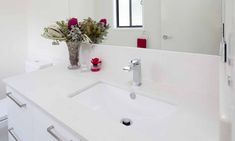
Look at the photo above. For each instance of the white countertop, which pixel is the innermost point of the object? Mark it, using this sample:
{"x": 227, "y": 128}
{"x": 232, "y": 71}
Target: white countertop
{"x": 196, "y": 118}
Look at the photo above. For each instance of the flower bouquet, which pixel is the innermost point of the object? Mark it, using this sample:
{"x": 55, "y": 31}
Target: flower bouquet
{"x": 74, "y": 33}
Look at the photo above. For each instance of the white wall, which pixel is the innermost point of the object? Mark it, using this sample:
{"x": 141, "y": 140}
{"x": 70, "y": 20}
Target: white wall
{"x": 128, "y": 37}
{"x": 183, "y": 70}
{"x": 13, "y": 38}
{"x": 46, "y": 12}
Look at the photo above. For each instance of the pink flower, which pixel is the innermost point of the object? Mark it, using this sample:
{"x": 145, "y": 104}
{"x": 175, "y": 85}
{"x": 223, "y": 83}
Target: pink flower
{"x": 95, "y": 61}
{"x": 72, "y": 22}
{"x": 103, "y": 21}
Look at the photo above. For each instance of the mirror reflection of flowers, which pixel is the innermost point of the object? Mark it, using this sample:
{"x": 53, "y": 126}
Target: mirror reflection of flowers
{"x": 96, "y": 31}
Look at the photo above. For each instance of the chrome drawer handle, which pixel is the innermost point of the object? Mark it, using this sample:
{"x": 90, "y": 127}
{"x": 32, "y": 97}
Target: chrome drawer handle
{"x": 4, "y": 118}
{"x": 49, "y": 130}
{"x": 21, "y": 105}
{"x": 12, "y": 133}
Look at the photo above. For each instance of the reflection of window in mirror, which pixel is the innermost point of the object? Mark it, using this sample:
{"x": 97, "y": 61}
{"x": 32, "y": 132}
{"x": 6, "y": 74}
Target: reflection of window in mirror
{"x": 129, "y": 13}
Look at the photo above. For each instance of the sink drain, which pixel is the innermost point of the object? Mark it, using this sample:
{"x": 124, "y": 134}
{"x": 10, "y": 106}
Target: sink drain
{"x": 126, "y": 122}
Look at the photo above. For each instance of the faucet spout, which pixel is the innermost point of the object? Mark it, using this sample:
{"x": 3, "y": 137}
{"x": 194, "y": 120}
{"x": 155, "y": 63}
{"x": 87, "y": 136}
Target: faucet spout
{"x": 127, "y": 68}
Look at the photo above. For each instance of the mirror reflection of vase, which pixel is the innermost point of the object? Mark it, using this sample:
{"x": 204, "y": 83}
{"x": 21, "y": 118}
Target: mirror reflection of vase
{"x": 85, "y": 56}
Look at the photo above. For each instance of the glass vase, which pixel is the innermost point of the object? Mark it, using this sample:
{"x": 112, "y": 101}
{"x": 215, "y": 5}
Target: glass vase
{"x": 73, "y": 48}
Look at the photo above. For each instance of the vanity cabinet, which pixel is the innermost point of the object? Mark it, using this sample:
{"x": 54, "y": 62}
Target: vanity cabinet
{"x": 27, "y": 122}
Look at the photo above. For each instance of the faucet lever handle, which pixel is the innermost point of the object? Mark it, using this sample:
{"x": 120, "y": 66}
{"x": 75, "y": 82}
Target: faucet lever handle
{"x": 135, "y": 61}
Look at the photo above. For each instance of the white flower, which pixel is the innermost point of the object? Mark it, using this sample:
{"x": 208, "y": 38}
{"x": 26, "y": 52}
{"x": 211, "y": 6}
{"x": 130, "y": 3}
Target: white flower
{"x": 53, "y": 32}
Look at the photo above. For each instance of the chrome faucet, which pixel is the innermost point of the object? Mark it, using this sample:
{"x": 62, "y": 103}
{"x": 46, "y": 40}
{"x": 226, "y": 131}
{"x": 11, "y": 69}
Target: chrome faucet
{"x": 135, "y": 66}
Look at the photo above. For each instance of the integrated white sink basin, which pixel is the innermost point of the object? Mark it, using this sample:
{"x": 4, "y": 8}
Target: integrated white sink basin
{"x": 118, "y": 105}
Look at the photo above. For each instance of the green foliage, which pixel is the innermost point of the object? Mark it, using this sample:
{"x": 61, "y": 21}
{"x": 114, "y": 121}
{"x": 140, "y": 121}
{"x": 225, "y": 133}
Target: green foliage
{"x": 63, "y": 27}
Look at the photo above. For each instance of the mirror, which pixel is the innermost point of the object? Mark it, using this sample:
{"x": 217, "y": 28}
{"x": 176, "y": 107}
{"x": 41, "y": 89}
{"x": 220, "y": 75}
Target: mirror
{"x": 193, "y": 26}
{"x": 184, "y": 25}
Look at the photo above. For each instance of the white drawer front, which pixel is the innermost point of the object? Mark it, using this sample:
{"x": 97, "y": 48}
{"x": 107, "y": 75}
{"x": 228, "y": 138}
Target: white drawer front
{"x": 19, "y": 117}
{"x": 47, "y": 129}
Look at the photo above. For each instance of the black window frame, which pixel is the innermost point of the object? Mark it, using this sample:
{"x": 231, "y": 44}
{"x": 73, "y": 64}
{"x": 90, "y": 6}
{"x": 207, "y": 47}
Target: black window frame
{"x": 130, "y": 12}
